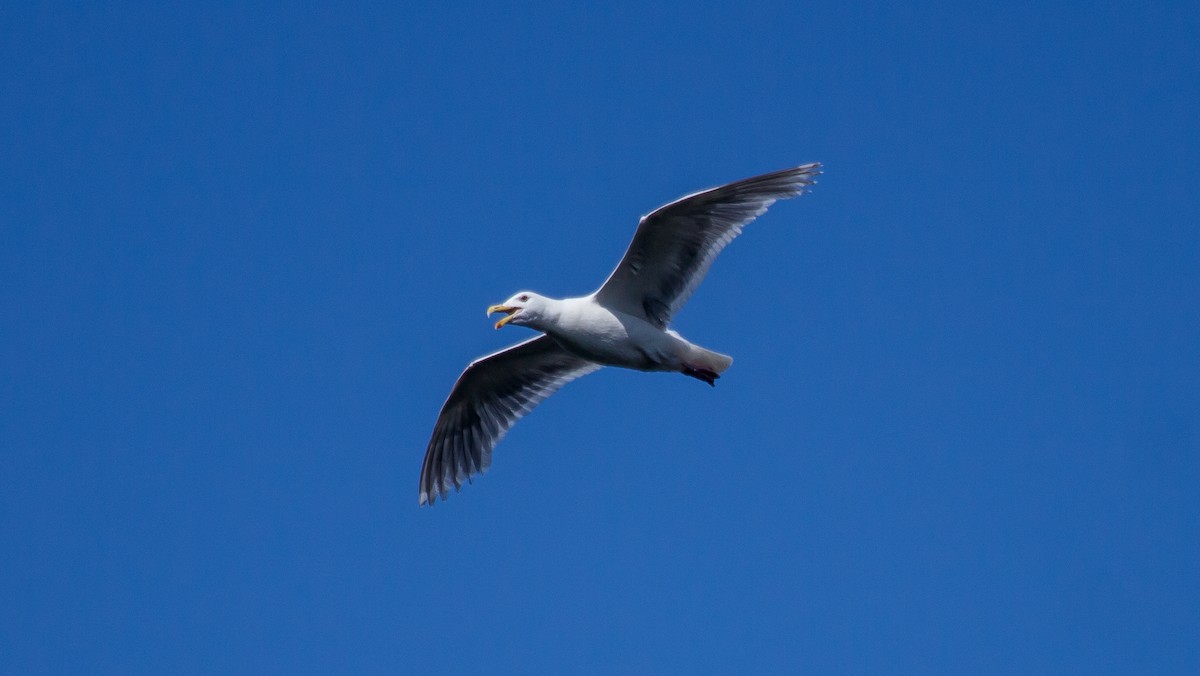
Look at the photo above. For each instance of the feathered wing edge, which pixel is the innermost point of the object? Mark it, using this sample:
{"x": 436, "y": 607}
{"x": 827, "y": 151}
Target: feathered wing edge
{"x": 676, "y": 244}
{"x": 490, "y": 396}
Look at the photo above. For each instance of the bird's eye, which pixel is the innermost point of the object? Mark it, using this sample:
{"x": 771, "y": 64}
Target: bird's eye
{"x": 523, "y": 297}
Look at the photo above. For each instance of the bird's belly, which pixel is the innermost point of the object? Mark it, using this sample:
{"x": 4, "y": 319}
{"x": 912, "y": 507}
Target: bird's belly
{"x": 625, "y": 344}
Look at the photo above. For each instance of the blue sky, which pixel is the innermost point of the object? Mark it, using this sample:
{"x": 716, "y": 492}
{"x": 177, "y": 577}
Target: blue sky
{"x": 246, "y": 251}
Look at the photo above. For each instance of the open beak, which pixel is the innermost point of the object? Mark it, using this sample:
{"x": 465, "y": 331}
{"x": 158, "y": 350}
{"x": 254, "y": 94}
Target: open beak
{"x": 508, "y": 310}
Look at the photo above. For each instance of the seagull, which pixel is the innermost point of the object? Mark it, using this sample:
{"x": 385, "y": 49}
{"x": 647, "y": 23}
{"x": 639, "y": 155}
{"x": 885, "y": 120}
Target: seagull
{"x": 624, "y": 323}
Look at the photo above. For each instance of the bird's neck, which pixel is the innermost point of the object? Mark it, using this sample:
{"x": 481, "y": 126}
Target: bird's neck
{"x": 549, "y": 319}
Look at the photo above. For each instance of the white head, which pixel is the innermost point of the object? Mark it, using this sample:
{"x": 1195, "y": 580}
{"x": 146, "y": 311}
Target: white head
{"x": 525, "y": 308}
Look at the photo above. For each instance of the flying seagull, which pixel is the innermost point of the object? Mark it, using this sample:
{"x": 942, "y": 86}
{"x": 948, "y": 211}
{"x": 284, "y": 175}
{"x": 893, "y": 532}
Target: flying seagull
{"x": 623, "y": 323}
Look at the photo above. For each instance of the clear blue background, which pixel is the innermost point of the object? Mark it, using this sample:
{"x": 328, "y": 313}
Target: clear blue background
{"x": 246, "y": 251}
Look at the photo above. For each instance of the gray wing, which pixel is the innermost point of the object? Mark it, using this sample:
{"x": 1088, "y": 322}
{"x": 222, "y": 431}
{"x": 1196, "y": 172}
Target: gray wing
{"x": 676, "y": 244}
{"x": 491, "y": 395}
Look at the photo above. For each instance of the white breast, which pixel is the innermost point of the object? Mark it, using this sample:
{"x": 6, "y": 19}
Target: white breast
{"x": 594, "y": 332}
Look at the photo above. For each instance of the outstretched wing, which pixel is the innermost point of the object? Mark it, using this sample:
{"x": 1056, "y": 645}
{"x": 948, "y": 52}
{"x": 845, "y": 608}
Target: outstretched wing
{"x": 675, "y": 244}
{"x": 490, "y": 396}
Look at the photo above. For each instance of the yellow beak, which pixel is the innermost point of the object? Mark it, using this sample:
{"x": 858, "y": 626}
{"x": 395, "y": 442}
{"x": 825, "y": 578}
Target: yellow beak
{"x": 510, "y": 311}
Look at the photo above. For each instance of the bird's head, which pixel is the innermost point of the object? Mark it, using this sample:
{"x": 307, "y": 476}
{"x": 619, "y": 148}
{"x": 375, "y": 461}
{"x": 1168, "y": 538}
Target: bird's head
{"x": 524, "y": 308}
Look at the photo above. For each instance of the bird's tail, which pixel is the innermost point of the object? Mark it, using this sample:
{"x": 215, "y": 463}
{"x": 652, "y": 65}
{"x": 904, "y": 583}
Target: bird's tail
{"x": 714, "y": 361}
{"x": 700, "y": 358}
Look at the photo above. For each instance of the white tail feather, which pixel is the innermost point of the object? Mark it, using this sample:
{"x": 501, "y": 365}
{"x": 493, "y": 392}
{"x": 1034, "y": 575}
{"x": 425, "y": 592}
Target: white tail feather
{"x": 708, "y": 359}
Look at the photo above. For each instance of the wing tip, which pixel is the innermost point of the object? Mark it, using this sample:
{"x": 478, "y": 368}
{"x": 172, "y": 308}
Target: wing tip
{"x": 801, "y": 178}
{"x": 781, "y": 184}
{"x": 428, "y": 495}
{"x": 806, "y": 174}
